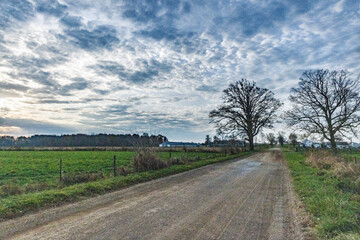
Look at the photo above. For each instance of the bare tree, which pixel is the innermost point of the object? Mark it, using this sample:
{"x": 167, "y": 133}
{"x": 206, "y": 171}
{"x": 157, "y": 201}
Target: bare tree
{"x": 293, "y": 138}
{"x": 271, "y": 138}
{"x": 326, "y": 103}
{"x": 245, "y": 111}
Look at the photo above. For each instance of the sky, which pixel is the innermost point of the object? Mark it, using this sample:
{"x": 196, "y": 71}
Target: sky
{"x": 159, "y": 67}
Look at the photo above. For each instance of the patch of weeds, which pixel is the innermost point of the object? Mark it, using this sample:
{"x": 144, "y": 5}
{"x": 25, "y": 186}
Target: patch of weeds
{"x": 74, "y": 178}
{"x": 146, "y": 160}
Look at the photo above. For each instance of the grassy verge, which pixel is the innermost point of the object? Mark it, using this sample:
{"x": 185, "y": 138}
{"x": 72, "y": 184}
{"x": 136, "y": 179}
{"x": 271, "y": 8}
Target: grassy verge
{"x": 18, "y": 205}
{"x": 335, "y": 212}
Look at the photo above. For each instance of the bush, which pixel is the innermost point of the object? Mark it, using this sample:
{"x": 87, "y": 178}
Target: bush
{"x": 71, "y": 179}
{"x": 231, "y": 150}
{"x": 123, "y": 171}
{"x": 145, "y": 160}
{"x": 176, "y": 161}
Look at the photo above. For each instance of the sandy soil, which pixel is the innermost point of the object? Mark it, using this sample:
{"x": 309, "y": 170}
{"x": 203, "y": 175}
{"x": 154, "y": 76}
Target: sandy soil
{"x": 251, "y": 198}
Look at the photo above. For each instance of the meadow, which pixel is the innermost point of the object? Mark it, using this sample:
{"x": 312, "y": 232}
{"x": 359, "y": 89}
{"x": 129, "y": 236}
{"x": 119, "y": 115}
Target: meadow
{"x": 29, "y": 180}
{"x": 28, "y": 167}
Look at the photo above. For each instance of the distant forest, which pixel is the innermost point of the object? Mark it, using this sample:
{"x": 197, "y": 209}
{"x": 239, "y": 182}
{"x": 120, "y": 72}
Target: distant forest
{"x": 83, "y": 140}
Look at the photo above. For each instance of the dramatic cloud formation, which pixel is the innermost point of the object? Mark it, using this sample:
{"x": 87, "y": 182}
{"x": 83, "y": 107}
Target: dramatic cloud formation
{"x": 158, "y": 66}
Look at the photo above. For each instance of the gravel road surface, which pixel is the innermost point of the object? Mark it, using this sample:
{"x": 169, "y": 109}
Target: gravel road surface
{"x": 249, "y": 198}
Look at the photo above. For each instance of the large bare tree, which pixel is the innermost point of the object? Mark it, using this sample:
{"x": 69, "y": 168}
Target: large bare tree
{"x": 271, "y": 139}
{"x": 326, "y": 103}
{"x": 246, "y": 110}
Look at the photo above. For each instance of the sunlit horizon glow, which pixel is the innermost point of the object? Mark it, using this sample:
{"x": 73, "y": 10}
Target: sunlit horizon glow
{"x": 158, "y": 66}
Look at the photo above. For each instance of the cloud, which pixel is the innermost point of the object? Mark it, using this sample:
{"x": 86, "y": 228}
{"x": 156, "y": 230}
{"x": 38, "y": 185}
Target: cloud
{"x": 207, "y": 88}
{"x": 15, "y": 11}
{"x": 161, "y": 33}
{"x": 148, "y": 11}
{"x": 127, "y": 65}
{"x": 77, "y": 85}
{"x": 34, "y": 127}
{"x": 12, "y": 86}
{"x": 51, "y": 7}
{"x": 71, "y": 21}
{"x": 101, "y": 37}
{"x": 146, "y": 72}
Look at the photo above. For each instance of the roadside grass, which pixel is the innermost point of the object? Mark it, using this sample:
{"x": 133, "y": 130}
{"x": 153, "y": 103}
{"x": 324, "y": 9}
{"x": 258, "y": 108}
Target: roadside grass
{"x": 17, "y": 205}
{"x": 334, "y": 210}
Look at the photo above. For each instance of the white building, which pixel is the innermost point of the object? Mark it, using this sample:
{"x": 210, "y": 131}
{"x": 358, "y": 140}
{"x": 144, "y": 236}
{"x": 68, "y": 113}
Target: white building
{"x": 355, "y": 145}
{"x": 179, "y": 144}
{"x": 307, "y": 143}
{"x": 317, "y": 145}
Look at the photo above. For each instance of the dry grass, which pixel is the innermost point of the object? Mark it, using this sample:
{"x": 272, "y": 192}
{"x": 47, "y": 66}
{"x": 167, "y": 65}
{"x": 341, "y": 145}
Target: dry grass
{"x": 322, "y": 159}
{"x": 338, "y": 165}
{"x": 76, "y": 178}
{"x": 146, "y": 160}
{"x": 123, "y": 171}
{"x": 177, "y": 161}
{"x": 10, "y": 189}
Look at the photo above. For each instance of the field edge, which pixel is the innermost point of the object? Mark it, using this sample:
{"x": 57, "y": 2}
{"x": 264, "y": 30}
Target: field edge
{"x": 16, "y": 206}
{"x": 320, "y": 195}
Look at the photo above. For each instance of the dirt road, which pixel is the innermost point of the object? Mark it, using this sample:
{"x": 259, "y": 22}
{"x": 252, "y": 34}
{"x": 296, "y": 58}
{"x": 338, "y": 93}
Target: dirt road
{"x": 249, "y": 198}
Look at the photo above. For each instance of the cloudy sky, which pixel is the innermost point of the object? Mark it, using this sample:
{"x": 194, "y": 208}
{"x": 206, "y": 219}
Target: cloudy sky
{"x": 70, "y": 66}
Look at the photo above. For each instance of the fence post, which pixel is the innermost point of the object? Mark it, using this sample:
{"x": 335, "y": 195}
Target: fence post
{"x": 115, "y": 166}
{"x": 170, "y": 153}
{"x": 61, "y": 171}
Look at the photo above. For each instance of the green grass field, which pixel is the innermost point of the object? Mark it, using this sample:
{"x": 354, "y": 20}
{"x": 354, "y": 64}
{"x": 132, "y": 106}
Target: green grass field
{"x": 25, "y": 167}
{"x": 351, "y": 156}
{"x": 334, "y": 211}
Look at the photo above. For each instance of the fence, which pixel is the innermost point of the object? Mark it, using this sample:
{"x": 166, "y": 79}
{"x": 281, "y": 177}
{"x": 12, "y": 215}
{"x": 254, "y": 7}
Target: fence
{"x": 54, "y": 168}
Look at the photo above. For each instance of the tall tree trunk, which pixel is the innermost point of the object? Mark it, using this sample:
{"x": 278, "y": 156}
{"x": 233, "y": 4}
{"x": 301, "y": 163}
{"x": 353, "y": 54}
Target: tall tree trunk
{"x": 333, "y": 143}
{"x": 251, "y": 143}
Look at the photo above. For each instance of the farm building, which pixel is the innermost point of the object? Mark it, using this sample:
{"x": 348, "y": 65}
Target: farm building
{"x": 339, "y": 145}
{"x": 306, "y": 143}
{"x": 309, "y": 144}
{"x": 355, "y": 145}
{"x": 342, "y": 145}
{"x": 179, "y": 144}
{"x": 316, "y": 145}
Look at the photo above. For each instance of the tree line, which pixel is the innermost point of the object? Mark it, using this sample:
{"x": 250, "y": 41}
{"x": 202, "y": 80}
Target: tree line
{"x": 84, "y": 140}
{"x": 325, "y": 103}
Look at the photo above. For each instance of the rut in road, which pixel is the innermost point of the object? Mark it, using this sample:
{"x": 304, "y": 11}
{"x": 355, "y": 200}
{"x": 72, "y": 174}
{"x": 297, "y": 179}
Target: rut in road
{"x": 244, "y": 199}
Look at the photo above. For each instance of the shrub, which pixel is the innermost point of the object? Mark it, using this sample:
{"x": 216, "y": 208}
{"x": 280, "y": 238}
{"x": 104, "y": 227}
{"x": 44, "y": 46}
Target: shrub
{"x": 231, "y": 150}
{"x": 70, "y": 179}
{"x": 185, "y": 159}
{"x": 176, "y": 161}
{"x": 123, "y": 171}
{"x": 145, "y": 160}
